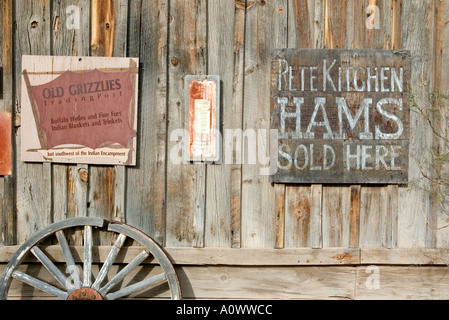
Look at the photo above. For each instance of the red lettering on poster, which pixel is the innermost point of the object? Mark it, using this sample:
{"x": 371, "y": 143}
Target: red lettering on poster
{"x": 91, "y": 109}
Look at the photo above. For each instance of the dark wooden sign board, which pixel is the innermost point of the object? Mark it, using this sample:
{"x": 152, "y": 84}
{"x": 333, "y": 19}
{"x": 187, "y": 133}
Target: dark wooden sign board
{"x": 342, "y": 116}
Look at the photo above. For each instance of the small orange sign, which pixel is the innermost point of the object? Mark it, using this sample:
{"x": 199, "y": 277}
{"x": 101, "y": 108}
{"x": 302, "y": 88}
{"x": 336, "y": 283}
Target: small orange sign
{"x": 5, "y": 144}
{"x": 203, "y": 103}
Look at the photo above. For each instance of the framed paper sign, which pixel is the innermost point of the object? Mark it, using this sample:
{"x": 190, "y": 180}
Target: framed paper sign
{"x": 79, "y": 109}
{"x": 202, "y": 100}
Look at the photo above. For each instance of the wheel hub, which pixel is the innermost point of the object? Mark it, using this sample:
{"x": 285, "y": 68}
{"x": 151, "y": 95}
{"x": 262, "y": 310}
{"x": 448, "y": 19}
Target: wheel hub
{"x": 85, "y": 294}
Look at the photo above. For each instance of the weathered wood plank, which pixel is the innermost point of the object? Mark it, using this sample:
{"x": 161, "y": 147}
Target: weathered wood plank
{"x": 256, "y": 257}
{"x": 106, "y": 184}
{"x": 399, "y": 283}
{"x": 305, "y": 30}
{"x": 186, "y": 184}
{"x": 121, "y": 12}
{"x": 258, "y": 219}
{"x": 70, "y": 37}
{"x": 200, "y": 29}
{"x": 7, "y": 59}
{"x": 299, "y": 210}
{"x": 404, "y": 256}
{"x": 237, "y": 257}
{"x": 223, "y": 180}
{"x": 354, "y": 223}
{"x": 231, "y": 256}
{"x": 7, "y": 185}
{"x": 337, "y": 216}
{"x": 391, "y": 240}
{"x": 280, "y": 40}
{"x": 306, "y": 24}
{"x": 264, "y": 257}
{"x": 396, "y": 38}
{"x": 280, "y": 229}
{"x": 102, "y": 28}
{"x": 382, "y": 33}
{"x": 335, "y": 25}
{"x": 268, "y": 283}
{"x": 34, "y": 195}
{"x": 70, "y": 22}
{"x": 414, "y": 202}
{"x": 147, "y": 40}
{"x": 101, "y": 179}
{"x": 238, "y": 283}
{"x": 308, "y": 282}
{"x": 358, "y": 35}
{"x": 442, "y": 218}
{"x": 237, "y": 103}
{"x": 121, "y": 39}
{"x": 373, "y": 216}
{"x": 438, "y": 147}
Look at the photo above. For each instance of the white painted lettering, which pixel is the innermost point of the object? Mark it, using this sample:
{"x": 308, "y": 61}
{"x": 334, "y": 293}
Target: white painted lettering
{"x": 381, "y": 153}
{"x": 319, "y": 105}
{"x": 374, "y": 77}
{"x": 350, "y": 156}
{"x": 283, "y": 69}
{"x": 364, "y": 108}
{"x": 365, "y": 157}
{"x": 305, "y": 157}
{"x": 379, "y": 106}
{"x": 284, "y": 155}
{"x": 328, "y": 149}
{"x": 312, "y": 79}
{"x": 397, "y": 79}
{"x": 326, "y": 75}
{"x": 383, "y": 79}
{"x": 282, "y": 102}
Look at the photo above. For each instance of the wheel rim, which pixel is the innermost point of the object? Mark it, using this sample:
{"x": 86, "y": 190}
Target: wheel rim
{"x": 89, "y": 287}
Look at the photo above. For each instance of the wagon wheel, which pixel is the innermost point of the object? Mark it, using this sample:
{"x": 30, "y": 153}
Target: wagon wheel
{"x": 101, "y": 287}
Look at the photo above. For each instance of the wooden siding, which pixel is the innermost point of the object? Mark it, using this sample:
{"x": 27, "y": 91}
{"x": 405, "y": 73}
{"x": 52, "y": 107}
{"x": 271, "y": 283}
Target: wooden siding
{"x": 228, "y": 206}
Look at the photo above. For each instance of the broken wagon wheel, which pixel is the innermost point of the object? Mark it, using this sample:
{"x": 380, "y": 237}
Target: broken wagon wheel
{"x": 88, "y": 287}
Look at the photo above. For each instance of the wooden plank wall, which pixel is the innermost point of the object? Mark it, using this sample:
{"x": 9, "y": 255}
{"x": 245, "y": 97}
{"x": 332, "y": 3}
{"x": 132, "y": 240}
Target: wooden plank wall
{"x": 228, "y": 205}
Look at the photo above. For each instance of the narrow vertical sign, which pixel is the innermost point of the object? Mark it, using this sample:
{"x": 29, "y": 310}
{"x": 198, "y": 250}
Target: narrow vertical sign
{"x": 342, "y": 115}
{"x": 202, "y": 99}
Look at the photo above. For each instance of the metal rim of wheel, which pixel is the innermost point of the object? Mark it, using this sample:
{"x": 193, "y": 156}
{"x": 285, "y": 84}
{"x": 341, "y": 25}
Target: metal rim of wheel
{"x": 87, "y": 288}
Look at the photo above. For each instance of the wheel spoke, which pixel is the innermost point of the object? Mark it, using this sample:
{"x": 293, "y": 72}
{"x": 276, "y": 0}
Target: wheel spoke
{"x": 38, "y": 284}
{"x": 109, "y": 261}
{"x": 87, "y": 256}
{"x": 70, "y": 262}
{"x": 74, "y": 283}
{"x": 126, "y": 270}
{"x": 50, "y": 266}
{"x": 135, "y": 287}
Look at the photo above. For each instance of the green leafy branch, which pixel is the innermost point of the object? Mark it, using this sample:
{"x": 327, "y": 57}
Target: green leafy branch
{"x": 434, "y": 109}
